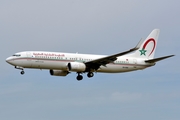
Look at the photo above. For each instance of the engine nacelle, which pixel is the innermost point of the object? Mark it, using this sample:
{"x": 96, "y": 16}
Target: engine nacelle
{"x": 76, "y": 67}
{"x": 58, "y": 72}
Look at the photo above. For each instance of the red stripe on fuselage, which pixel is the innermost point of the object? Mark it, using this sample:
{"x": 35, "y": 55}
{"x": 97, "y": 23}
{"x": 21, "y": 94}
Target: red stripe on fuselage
{"x": 75, "y": 61}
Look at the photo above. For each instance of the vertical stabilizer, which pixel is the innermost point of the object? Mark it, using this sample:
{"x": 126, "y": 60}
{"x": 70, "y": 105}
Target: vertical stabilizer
{"x": 148, "y": 47}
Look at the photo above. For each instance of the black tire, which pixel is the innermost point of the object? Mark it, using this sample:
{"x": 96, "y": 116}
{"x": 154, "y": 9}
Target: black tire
{"x": 22, "y": 72}
{"x": 79, "y": 77}
{"x": 90, "y": 74}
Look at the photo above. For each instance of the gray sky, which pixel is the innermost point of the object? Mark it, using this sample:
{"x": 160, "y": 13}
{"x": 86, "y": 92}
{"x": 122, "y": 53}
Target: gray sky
{"x": 98, "y": 27}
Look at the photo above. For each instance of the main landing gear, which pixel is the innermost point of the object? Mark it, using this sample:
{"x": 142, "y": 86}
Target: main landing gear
{"x": 80, "y": 77}
{"x": 20, "y": 68}
{"x": 90, "y": 74}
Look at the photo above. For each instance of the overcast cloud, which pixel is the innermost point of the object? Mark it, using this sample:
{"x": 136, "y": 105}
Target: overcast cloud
{"x": 98, "y": 27}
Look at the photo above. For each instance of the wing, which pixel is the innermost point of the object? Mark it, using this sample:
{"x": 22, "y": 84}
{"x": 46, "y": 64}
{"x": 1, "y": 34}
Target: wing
{"x": 95, "y": 64}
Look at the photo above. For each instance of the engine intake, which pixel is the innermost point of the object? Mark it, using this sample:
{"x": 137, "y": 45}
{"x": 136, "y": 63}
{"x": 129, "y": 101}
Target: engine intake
{"x": 76, "y": 67}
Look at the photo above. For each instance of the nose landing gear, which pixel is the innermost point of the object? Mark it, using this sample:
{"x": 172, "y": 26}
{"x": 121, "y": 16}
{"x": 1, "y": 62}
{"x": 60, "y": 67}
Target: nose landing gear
{"x": 20, "y": 68}
{"x": 22, "y": 72}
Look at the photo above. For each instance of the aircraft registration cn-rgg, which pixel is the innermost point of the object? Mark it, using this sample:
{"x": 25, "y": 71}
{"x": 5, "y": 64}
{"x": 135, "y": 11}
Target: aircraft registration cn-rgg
{"x": 61, "y": 64}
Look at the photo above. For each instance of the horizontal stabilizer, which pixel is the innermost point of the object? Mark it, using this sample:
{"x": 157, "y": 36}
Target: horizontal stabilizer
{"x": 158, "y": 59}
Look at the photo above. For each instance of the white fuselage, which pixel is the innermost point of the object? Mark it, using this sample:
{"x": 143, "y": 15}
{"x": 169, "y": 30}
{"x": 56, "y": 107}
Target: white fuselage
{"x": 61, "y": 64}
{"x": 59, "y": 61}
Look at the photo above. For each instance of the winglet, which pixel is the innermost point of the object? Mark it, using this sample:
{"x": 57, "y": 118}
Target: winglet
{"x": 138, "y": 45}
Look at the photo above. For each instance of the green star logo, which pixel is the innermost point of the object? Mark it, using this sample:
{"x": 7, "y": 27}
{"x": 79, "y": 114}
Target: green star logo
{"x": 143, "y": 52}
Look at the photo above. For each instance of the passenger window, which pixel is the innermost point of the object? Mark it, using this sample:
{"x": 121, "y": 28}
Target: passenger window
{"x": 17, "y": 55}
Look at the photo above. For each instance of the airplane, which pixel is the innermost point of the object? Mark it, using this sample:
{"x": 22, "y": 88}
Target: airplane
{"x": 61, "y": 64}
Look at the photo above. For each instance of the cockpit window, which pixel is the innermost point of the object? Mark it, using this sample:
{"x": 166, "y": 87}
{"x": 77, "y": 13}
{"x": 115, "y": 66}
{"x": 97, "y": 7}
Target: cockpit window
{"x": 17, "y": 55}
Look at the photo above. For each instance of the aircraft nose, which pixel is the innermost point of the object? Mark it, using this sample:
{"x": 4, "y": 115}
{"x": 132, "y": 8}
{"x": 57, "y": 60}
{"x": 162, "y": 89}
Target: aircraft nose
{"x": 8, "y": 60}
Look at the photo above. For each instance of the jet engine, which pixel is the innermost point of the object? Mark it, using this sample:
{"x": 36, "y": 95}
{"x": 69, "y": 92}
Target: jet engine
{"x": 76, "y": 67}
{"x": 58, "y": 72}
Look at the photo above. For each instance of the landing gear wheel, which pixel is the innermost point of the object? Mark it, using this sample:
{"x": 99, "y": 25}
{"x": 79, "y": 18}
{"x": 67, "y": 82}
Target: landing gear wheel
{"x": 22, "y": 72}
{"x": 79, "y": 77}
{"x": 90, "y": 74}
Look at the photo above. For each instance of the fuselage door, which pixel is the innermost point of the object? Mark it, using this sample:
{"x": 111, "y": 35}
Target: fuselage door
{"x": 29, "y": 59}
{"x": 134, "y": 62}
